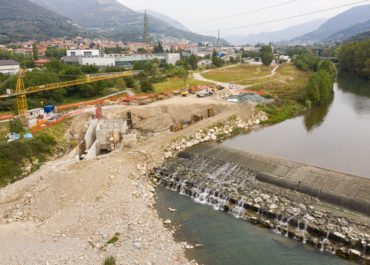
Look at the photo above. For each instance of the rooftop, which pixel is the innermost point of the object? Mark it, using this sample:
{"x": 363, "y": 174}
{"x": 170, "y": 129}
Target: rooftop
{"x": 8, "y": 62}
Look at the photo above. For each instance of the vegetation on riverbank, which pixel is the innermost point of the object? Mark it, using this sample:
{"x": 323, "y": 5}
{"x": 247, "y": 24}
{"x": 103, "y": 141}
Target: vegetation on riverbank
{"x": 355, "y": 57}
{"x": 20, "y": 157}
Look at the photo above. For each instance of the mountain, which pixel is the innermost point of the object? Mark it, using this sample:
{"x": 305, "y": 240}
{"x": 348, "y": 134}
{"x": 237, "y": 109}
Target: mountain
{"x": 359, "y": 37}
{"x": 349, "y": 32}
{"x": 351, "y": 17}
{"x": 111, "y": 16}
{"x": 22, "y": 20}
{"x": 173, "y": 22}
{"x": 277, "y": 36}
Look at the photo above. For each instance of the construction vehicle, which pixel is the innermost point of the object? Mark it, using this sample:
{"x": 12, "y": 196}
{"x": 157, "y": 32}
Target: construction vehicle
{"x": 184, "y": 92}
{"x": 21, "y": 91}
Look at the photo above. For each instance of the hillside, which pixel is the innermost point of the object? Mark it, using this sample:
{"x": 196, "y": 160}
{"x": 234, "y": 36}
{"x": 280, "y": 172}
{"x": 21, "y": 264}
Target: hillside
{"x": 111, "y": 16}
{"x": 359, "y": 37}
{"x": 276, "y": 36}
{"x": 351, "y": 17}
{"x": 22, "y": 20}
{"x": 351, "y": 31}
{"x": 173, "y": 22}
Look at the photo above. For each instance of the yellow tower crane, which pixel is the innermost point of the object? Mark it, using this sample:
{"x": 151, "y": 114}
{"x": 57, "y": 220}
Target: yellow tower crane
{"x": 21, "y": 91}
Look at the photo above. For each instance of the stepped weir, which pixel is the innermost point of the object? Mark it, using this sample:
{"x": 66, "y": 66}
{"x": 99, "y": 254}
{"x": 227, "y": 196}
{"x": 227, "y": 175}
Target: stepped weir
{"x": 293, "y": 199}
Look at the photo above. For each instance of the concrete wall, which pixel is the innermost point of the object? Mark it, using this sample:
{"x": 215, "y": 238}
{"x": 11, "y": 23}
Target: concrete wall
{"x": 338, "y": 188}
{"x": 90, "y": 135}
{"x": 93, "y": 152}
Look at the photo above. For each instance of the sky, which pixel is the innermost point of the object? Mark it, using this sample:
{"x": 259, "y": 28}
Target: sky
{"x": 199, "y": 15}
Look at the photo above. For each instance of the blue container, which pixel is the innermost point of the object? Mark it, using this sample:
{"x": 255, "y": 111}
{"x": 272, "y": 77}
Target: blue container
{"x": 28, "y": 136}
{"x": 48, "y": 108}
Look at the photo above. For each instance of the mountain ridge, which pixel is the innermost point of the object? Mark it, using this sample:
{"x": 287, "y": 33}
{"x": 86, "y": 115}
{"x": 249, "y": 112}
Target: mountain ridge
{"x": 277, "y": 36}
{"x": 21, "y": 20}
{"x": 342, "y": 21}
{"x": 115, "y": 18}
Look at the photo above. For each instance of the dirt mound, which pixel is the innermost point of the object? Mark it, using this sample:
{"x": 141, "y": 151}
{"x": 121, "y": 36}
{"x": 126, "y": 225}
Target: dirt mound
{"x": 161, "y": 115}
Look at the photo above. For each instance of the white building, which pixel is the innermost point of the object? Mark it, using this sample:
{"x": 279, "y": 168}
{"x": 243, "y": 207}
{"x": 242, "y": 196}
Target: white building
{"x": 98, "y": 61}
{"x": 172, "y": 58}
{"x": 83, "y": 53}
{"x": 9, "y": 67}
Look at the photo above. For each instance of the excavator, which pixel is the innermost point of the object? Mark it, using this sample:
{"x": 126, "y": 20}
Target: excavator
{"x": 21, "y": 91}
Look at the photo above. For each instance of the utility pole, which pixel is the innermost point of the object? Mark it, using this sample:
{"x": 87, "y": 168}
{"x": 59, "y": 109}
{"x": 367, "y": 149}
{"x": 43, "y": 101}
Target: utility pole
{"x": 219, "y": 44}
{"x": 146, "y": 29}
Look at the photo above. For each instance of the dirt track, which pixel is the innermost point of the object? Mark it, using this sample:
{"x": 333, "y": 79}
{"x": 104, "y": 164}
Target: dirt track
{"x": 66, "y": 212}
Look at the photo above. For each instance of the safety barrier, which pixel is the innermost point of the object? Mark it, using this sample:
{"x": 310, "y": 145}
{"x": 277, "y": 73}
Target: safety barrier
{"x": 46, "y": 124}
{"x": 6, "y": 117}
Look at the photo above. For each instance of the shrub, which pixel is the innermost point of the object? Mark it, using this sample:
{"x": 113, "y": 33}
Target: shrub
{"x": 110, "y": 260}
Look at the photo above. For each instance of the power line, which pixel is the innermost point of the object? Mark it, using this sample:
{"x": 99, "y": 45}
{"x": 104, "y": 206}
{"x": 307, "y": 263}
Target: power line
{"x": 291, "y": 17}
{"x": 244, "y": 13}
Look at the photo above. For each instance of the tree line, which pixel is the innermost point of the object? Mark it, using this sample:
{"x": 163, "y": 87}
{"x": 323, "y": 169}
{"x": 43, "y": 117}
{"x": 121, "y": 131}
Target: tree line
{"x": 355, "y": 57}
{"x": 320, "y": 85}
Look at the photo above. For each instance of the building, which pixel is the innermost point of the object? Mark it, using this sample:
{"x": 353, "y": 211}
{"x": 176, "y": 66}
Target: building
{"x": 40, "y": 63}
{"x": 83, "y": 53}
{"x": 9, "y": 67}
{"x": 98, "y": 61}
{"x": 129, "y": 60}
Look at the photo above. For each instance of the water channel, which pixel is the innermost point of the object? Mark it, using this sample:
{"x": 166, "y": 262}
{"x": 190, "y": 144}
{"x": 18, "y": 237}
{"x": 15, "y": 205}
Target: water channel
{"x": 335, "y": 135}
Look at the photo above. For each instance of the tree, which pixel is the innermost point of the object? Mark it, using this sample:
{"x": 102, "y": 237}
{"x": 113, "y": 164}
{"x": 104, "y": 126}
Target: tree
{"x": 354, "y": 56}
{"x": 35, "y": 52}
{"x": 120, "y": 84}
{"x": 266, "y": 55}
{"x": 146, "y": 86}
{"x": 216, "y": 61}
{"x": 158, "y": 48}
{"x": 193, "y": 61}
{"x": 329, "y": 67}
{"x": 16, "y": 126}
{"x": 130, "y": 82}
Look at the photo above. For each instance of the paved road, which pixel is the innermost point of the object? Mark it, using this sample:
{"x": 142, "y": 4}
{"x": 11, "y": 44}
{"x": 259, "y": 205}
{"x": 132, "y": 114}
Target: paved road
{"x": 198, "y": 76}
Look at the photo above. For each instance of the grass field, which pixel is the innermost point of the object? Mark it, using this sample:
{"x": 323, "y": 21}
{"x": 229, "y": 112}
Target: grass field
{"x": 287, "y": 83}
{"x": 172, "y": 83}
{"x": 238, "y": 73}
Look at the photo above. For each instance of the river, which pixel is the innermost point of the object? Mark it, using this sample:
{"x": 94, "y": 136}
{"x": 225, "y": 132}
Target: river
{"x": 335, "y": 135}
{"x": 231, "y": 241}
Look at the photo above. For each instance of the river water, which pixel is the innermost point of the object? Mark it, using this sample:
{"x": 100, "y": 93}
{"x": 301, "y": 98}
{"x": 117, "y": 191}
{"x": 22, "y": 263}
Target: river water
{"x": 231, "y": 241}
{"x": 335, "y": 135}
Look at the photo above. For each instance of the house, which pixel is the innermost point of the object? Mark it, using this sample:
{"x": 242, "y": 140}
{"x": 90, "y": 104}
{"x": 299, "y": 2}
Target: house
{"x": 9, "y": 67}
{"x": 40, "y": 63}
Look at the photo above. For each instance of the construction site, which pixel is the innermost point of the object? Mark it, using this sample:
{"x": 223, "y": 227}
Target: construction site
{"x": 73, "y": 205}
{"x": 97, "y": 198}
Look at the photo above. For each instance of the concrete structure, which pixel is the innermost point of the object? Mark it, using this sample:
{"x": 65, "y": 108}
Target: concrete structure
{"x": 109, "y": 133}
{"x": 98, "y": 61}
{"x": 9, "y": 67}
{"x": 338, "y": 188}
{"x": 83, "y": 53}
{"x": 36, "y": 112}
